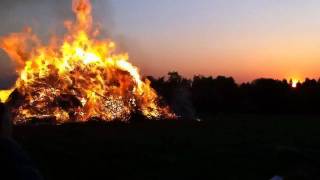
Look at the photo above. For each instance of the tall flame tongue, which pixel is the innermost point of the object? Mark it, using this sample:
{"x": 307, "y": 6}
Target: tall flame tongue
{"x": 77, "y": 78}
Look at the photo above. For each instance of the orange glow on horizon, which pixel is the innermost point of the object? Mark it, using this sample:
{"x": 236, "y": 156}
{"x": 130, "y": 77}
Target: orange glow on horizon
{"x": 294, "y": 83}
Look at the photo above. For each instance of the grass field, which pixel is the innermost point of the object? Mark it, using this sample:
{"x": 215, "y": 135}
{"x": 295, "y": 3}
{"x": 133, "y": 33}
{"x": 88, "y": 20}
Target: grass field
{"x": 219, "y": 147}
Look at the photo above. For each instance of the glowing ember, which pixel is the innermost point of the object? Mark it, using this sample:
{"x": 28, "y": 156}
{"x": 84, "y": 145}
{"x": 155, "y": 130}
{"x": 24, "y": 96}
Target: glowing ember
{"x": 77, "y": 77}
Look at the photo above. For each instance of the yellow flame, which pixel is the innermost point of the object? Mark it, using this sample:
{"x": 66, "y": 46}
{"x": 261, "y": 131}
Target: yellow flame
{"x": 4, "y": 95}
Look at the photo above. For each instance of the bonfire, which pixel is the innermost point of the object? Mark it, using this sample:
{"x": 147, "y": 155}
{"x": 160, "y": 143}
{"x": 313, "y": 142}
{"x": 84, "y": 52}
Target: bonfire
{"x": 76, "y": 77}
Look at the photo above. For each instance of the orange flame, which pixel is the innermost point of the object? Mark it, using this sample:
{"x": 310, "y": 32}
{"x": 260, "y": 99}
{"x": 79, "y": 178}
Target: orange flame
{"x": 80, "y": 70}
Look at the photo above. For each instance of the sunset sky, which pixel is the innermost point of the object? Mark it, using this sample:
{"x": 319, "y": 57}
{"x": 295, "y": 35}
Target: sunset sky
{"x": 245, "y": 39}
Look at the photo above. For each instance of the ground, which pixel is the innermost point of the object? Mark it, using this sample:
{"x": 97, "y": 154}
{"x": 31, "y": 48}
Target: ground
{"x": 219, "y": 147}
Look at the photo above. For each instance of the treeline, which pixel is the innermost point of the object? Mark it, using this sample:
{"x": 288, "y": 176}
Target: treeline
{"x": 208, "y": 95}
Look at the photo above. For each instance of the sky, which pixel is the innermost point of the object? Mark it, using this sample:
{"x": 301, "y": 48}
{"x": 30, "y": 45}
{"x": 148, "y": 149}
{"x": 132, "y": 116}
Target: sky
{"x": 246, "y": 39}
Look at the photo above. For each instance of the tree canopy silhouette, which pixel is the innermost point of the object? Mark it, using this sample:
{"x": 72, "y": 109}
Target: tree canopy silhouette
{"x": 210, "y": 95}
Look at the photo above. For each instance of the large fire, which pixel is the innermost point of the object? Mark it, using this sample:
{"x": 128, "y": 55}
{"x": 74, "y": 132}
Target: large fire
{"x": 77, "y": 77}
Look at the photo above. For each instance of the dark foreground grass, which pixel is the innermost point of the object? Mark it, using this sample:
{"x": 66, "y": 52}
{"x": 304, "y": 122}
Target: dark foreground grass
{"x": 220, "y": 147}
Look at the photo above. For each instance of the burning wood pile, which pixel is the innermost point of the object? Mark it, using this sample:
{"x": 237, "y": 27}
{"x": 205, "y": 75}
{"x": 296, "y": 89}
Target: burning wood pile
{"x": 77, "y": 77}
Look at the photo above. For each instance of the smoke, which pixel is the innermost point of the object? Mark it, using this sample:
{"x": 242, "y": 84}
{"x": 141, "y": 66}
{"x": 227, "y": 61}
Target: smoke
{"x": 41, "y": 15}
{"x": 7, "y": 71}
{"x": 182, "y": 104}
{"x": 46, "y": 18}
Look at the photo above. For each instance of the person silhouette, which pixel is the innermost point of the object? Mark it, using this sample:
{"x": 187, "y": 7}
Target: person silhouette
{"x": 15, "y": 164}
